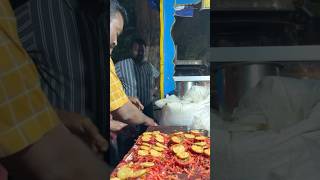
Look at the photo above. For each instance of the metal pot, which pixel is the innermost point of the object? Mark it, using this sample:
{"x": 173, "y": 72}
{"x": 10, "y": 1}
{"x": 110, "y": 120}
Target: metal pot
{"x": 184, "y": 83}
{"x": 235, "y": 80}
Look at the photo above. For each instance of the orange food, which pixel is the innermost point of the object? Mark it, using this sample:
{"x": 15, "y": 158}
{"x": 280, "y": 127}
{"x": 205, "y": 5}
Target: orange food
{"x": 200, "y": 138}
{"x": 143, "y": 152}
{"x": 182, "y": 155}
{"x": 178, "y": 148}
{"x": 189, "y": 136}
{"x": 197, "y": 149}
{"x": 176, "y": 139}
{"x": 202, "y": 143}
{"x": 157, "y": 156}
{"x": 207, "y": 152}
{"x": 155, "y": 153}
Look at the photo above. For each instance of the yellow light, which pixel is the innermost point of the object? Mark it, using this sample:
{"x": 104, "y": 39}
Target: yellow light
{"x": 205, "y": 4}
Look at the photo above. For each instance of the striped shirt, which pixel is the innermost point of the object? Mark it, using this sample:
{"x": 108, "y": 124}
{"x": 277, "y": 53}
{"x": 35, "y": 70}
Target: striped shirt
{"x": 138, "y": 79}
{"x": 49, "y": 28}
{"x": 68, "y": 51}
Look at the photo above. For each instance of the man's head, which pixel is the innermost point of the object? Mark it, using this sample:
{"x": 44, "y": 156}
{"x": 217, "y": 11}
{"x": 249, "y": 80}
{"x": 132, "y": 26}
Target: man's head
{"x": 118, "y": 16}
{"x": 138, "y": 48}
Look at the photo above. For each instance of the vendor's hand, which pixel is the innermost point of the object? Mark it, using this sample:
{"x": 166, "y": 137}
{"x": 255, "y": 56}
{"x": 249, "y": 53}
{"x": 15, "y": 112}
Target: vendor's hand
{"x": 85, "y": 129}
{"x": 116, "y": 126}
{"x": 135, "y": 101}
{"x": 149, "y": 122}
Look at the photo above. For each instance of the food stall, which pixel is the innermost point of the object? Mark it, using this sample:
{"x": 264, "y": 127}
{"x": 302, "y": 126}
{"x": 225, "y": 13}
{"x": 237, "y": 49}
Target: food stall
{"x": 185, "y": 72}
{"x": 179, "y": 148}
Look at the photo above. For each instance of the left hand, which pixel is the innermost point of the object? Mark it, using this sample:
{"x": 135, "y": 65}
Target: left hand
{"x": 84, "y": 129}
{"x": 135, "y": 101}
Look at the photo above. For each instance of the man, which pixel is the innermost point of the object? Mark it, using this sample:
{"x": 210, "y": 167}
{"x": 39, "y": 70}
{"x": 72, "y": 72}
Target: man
{"x": 120, "y": 106}
{"x": 30, "y": 128}
{"x": 68, "y": 65}
{"x": 138, "y": 76}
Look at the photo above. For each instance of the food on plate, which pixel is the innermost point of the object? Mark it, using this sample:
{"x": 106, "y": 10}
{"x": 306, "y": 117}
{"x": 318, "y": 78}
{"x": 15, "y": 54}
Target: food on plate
{"x": 143, "y": 152}
{"x": 145, "y": 148}
{"x": 156, "y": 132}
{"x": 178, "y": 133}
{"x": 157, "y": 156}
{"x": 176, "y": 139}
{"x": 147, "y": 133}
{"x": 195, "y": 132}
{"x": 159, "y": 138}
{"x": 155, "y": 153}
{"x": 146, "y": 138}
{"x": 207, "y": 152}
{"x": 200, "y": 138}
{"x": 202, "y": 143}
{"x": 124, "y": 172}
{"x": 115, "y": 178}
{"x": 161, "y": 145}
{"x": 183, "y": 155}
{"x": 189, "y": 136}
{"x": 178, "y": 148}
{"x": 138, "y": 173}
{"x": 147, "y": 164}
{"x": 146, "y": 144}
{"x": 160, "y": 149}
{"x": 197, "y": 149}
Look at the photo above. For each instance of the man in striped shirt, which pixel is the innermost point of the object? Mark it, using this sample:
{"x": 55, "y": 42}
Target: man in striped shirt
{"x": 65, "y": 42}
{"x": 138, "y": 76}
{"x": 33, "y": 142}
{"x": 138, "y": 79}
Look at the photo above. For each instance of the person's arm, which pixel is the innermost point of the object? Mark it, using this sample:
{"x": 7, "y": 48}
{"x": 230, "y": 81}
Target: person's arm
{"x": 135, "y": 101}
{"x": 84, "y": 128}
{"x": 115, "y": 125}
{"x": 130, "y": 114}
{"x": 57, "y": 155}
{"x": 120, "y": 106}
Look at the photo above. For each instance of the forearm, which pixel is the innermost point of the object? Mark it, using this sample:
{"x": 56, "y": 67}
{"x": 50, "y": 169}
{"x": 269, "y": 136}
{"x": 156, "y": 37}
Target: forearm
{"x": 129, "y": 114}
{"x": 58, "y": 155}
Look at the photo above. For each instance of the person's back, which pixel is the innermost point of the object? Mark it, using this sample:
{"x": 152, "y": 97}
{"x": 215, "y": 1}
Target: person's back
{"x": 49, "y": 32}
{"x": 52, "y": 34}
{"x": 29, "y": 126}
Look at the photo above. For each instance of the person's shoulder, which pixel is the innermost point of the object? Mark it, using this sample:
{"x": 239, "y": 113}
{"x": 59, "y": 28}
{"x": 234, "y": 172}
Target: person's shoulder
{"x": 124, "y": 61}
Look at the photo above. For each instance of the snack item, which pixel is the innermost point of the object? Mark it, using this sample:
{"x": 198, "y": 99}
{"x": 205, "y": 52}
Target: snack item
{"x": 157, "y": 155}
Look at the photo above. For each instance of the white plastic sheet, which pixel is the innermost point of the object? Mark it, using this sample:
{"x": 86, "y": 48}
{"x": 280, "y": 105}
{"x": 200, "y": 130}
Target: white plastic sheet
{"x": 288, "y": 149}
{"x": 193, "y": 110}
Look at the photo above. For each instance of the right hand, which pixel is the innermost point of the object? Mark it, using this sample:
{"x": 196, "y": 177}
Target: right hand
{"x": 116, "y": 126}
{"x": 135, "y": 101}
{"x": 149, "y": 122}
{"x": 84, "y": 129}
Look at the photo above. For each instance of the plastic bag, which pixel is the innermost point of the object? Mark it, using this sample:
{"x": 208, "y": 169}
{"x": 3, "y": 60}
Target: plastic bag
{"x": 193, "y": 110}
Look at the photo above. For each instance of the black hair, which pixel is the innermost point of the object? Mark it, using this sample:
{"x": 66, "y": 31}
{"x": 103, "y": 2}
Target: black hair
{"x": 139, "y": 41}
{"x": 116, "y": 7}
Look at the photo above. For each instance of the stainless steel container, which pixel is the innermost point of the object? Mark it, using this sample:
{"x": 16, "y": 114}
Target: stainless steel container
{"x": 184, "y": 83}
{"x": 238, "y": 79}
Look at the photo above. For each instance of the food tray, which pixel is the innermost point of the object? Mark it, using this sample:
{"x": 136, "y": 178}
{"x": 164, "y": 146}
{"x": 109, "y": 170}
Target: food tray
{"x": 192, "y": 174}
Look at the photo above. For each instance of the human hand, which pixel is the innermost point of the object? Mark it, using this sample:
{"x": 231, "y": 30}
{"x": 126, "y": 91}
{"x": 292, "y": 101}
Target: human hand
{"x": 135, "y": 101}
{"x": 116, "y": 126}
{"x": 149, "y": 122}
{"x": 84, "y": 129}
